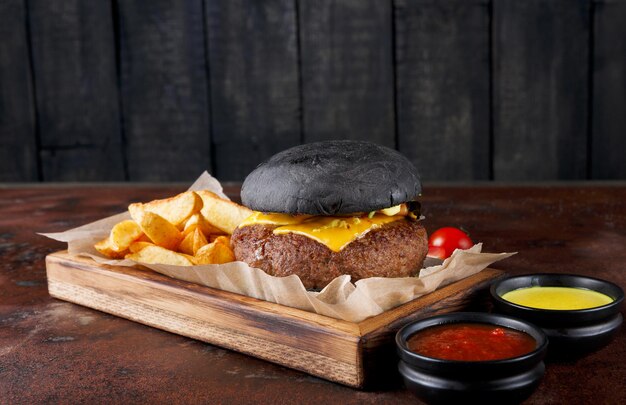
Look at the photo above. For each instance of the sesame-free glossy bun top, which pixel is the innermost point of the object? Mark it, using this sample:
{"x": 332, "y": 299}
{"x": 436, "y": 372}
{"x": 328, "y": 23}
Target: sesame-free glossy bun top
{"x": 332, "y": 177}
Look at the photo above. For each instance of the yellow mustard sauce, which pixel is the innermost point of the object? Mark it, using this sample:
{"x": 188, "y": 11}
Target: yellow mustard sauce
{"x": 557, "y": 298}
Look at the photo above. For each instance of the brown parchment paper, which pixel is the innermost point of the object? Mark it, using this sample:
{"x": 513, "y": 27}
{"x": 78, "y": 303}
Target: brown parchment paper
{"x": 340, "y": 299}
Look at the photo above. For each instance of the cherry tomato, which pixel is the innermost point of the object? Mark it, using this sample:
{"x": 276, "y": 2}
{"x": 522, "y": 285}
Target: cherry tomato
{"x": 436, "y": 252}
{"x": 450, "y": 238}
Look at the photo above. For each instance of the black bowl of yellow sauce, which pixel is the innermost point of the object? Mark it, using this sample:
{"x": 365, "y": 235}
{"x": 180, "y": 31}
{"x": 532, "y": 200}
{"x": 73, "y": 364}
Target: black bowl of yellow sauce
{"x": 578, "y": 314}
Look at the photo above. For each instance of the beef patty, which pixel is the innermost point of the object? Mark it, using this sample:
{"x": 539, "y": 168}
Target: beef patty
{"x": 396, "y": 249}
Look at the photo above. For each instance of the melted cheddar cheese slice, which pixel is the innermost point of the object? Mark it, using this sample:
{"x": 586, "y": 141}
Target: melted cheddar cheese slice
{"x": 273, "y": 219}
{"x": 333, "y": 231}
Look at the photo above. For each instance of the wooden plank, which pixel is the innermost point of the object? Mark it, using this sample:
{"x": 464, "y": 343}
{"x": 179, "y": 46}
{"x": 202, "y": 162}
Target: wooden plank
{"x": 609, "y": 91}
{"x": 541, "y": 51}
{"x": 442, "y": 58}
{"x": 164, "y": 89}
{"x": 337, "y": 350}
{"x": 253, "y": 68}
{"x": 73, "y": 49}
{"x": 347, "y": 70}
{"x": 18, "y": 144}
{"x": 205, "y": 307}
{"x": 213, "y": 316}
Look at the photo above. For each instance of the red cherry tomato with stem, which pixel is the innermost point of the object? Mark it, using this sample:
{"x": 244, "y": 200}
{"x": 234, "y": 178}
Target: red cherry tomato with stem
{"x": 449, "y": 239}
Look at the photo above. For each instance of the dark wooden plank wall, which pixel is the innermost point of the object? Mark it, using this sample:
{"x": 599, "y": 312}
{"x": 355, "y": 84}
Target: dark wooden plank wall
{"x": 443, "y": 93}
{"x": 541, "y": 98}
{"x": 164, "y": 89}
{"x": 347, "y": 70}
{"x": 253, "y": 70}
{"x": 161, "y": 90}
{"x": 608, "y": 136}
{"x": 73, "y": 58}
{"x": 18, "y": 142}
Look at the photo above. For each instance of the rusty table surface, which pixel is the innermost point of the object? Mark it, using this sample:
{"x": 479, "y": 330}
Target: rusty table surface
{"x": 54, "y": 351}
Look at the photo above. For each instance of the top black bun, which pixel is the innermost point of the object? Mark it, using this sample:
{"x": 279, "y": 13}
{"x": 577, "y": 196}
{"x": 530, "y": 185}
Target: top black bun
{"x": 333, "y": 177}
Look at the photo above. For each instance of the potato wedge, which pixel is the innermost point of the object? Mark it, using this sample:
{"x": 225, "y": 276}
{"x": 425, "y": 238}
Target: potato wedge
{"x": 197, "y": 220}
{"x": 158, "y": 255}
{"x": 175, "y": 210}
{"x": 214, "y": 253}
{"x": 224, "y": 214}
{"x": 213, "y": 238}
{"x": 223, "y": 239}
{"x": 160, "y": 231}
{"x": 104, "y": 247}
{"x": 143, "y": 238}
{"x": 186, "y": 246}
{"x": 177, "y": 231}
{"x": 199, "y": 240}
{"x": 192, "y": 242}
{"x": 136, "y": 211}
{"x": 123, "y": 234}
{"x": 137, "y": 246}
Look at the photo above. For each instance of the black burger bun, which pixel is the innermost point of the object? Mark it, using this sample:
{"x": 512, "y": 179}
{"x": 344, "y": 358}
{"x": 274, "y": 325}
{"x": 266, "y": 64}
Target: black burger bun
{"x": 332, "y": 177}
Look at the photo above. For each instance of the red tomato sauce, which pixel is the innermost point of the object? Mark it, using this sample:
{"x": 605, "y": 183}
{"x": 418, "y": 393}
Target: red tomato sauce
{"x": 471, "y": 342}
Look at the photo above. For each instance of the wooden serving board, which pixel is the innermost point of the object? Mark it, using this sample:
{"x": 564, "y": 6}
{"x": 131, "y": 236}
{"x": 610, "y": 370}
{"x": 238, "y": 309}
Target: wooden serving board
{"x": 354, "y": 354}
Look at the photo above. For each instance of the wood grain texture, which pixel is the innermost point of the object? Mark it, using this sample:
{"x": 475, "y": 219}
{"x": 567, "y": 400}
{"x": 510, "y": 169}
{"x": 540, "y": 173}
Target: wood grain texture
{"x": 442, "y": 63}
{"x": 346, "y": 50}
{"x": 329, "y": 348}
{"x": 164, "y": 89}
{"x": 541, "y": 51}
{"x": 608, "y": 145}
{"x": 254, "y": 78}
{"x": 73, "y": 48}
{"x": 18, "y": 143}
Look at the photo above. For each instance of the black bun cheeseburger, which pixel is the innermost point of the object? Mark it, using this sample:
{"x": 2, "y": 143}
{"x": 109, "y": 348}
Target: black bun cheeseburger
{"x": 330, "y": 208}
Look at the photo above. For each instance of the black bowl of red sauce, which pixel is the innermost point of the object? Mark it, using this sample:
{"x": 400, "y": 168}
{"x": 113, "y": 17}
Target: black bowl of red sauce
{"x": 469, "y": 356}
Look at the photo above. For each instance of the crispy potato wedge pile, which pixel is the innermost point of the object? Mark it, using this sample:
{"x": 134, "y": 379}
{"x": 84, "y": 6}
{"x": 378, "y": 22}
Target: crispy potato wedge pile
{"x": 192, "y": 228}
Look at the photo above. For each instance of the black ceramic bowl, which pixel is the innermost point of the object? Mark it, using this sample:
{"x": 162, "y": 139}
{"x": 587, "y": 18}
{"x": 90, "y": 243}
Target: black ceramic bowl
{"x": 495, "y": 381}
{"x": 571, "y": 332}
